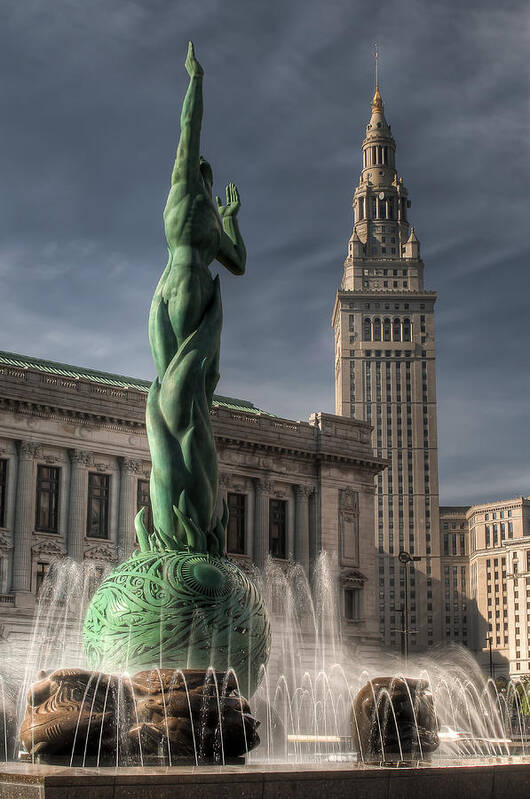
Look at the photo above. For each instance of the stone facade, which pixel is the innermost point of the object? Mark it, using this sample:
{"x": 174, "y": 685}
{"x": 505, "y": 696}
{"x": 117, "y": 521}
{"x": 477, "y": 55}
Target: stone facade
{"x": 385, "y": 375}
{"x": 499, "y": 536}
{"x": 459, "y": 616}
{"x": 74, "y": 469}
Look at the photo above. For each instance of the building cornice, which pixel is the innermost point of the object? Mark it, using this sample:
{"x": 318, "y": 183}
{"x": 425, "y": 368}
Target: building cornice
{"x": 350, "y": 446}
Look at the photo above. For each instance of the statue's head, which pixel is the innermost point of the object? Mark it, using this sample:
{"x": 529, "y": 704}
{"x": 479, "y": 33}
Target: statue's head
{"x": 207, "y": 174}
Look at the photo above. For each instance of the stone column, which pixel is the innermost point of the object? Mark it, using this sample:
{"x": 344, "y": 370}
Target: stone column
{"x": 24, "y": 515}
{"x": 262, "y": 489}
{"x": 126, "y": 532}
{"x": 224, "y": 481}
{"x": 77, "y": 511}
{"x": 301, "y": 520}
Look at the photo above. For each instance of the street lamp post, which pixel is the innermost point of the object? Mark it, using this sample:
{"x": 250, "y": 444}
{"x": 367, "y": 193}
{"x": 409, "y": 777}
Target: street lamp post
{"x": 405, "y": 558}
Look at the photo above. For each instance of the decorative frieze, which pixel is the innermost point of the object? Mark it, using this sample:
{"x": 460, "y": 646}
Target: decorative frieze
{"x": 50, "y": 548}
{"x": 106, "y": 552}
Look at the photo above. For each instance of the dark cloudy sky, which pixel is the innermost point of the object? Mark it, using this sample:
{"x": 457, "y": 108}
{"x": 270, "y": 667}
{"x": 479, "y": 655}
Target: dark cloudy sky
{"x": 90, "y": 96}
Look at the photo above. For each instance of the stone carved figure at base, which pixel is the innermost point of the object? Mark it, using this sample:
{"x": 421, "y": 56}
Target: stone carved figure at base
{"x": 161, "y": 713}
{"x": 393, "y": 717}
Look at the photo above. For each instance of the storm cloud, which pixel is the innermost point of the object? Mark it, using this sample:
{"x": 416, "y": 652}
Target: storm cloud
{"x": 91, "y": 96}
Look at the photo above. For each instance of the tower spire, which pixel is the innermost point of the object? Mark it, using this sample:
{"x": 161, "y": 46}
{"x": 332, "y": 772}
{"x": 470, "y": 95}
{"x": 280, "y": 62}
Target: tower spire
{"x": 377, "y": 102}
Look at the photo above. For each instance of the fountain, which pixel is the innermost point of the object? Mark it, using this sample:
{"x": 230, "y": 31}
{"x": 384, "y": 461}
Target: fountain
{"x": 176, "y": 659}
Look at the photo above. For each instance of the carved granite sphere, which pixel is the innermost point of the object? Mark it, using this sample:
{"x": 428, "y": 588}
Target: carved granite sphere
{"x": 187, "y": 610}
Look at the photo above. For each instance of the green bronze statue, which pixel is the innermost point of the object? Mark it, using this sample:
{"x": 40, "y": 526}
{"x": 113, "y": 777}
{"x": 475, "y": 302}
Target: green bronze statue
{"x": 178, "y": 602}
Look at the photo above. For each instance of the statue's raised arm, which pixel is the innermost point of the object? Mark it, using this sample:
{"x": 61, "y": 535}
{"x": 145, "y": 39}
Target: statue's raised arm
{"x": 189, "y": 146}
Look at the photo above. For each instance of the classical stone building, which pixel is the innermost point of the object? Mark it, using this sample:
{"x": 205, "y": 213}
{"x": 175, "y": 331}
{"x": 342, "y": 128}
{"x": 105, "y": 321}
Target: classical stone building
{"x": 499, "y": 536}
{"x": 74, "y": 470}
{"x": 385, "y": 375}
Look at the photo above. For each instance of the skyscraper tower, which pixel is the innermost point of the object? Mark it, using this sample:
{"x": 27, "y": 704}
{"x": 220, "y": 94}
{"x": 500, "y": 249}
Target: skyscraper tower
{"x": 385, "y": 374}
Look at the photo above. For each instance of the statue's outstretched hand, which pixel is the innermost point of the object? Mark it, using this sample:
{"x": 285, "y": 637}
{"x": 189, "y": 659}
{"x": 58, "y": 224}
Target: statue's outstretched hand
{"x": 192, "y": 65}
{"x": 233, "y": 203}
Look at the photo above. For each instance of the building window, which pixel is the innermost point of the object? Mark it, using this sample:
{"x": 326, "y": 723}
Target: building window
{"x": 235, "y": 532}
{"x": 143, "y": 500}
{"x": 377, "y": 330}
{"x": 3, "y": 492}
{"x": 42, "y": 571}
{"x": 47, "y": 505}
{"x": 367, "y": 330}
{"x": 406, "y": 330}
{"x": 386, "y": 330}
{"x": 97, "y": 525}
{"x": 352, "y": 604}
{"x": 278, "y": 528}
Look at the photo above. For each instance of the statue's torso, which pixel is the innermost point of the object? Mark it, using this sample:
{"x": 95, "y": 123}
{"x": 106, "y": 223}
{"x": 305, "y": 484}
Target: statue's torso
{"x": 191, "y": 221}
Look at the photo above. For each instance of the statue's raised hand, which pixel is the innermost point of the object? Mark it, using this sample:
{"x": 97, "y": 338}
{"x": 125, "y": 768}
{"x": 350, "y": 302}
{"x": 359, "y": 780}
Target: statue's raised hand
{"x": 233, "y": 203}
{"x": 193, "y": 67}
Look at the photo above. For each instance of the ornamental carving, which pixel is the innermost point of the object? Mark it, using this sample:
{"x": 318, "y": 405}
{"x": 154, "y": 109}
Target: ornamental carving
{"x": 303, "y": 491}
{"x": 129, "y": 465}
{"x": 5, "y": 542}
{"x": 29, "y": 450}
{"x": 102, "y": 467}
{"x": 353, "y": 578}
{"x": 80, "y": 457}
{"x": 52, "y": 548}
{"x": 51, "y": 459}
{"x": 225, "y": 480}
{"x": 101, "y": 552}
{"x": 349, "y": 526}
{"x": 263, "y": 485}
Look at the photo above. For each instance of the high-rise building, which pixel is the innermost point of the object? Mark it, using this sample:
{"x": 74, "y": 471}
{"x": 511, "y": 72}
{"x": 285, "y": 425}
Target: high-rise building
{"x": 385, "y": 374}
{"x": 499, "y": 538}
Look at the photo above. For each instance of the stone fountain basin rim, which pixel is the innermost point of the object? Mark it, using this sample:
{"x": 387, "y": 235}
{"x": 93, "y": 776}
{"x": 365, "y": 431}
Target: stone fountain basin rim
{"x": 28, "y": 773}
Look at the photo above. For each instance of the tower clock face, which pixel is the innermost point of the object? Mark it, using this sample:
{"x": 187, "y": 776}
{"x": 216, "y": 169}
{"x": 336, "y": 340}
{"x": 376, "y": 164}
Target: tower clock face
{"x": 381, "y": 195}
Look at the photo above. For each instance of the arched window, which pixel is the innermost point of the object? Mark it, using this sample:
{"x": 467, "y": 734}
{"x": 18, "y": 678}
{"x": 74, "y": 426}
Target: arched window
{"x": 406, "y": 330}
{"x": 397, "y": 329}
{"x": 386, "y": 330}
{"x": 361, "y": 207}
{"x": 382, "y": 209}
{"x": 367, "y": 330}
{"x": 377, "y": 330}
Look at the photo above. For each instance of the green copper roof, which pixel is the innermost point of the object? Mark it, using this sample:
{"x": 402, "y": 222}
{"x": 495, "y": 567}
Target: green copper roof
{"x": 110, "y": 379}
